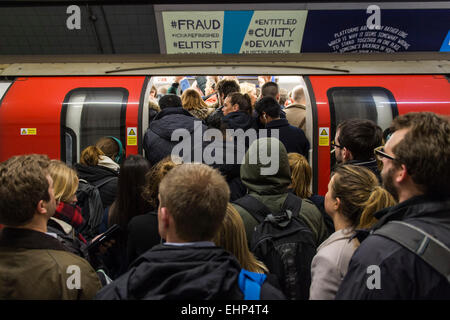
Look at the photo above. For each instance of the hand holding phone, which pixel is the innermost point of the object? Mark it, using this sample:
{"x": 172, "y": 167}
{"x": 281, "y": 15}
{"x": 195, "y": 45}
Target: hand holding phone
{"x": 111, "y": 234}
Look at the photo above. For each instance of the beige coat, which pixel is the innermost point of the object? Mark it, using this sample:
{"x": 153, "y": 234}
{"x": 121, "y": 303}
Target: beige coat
{"x": 296, "y": 115}
{"x": 329, "y": 266}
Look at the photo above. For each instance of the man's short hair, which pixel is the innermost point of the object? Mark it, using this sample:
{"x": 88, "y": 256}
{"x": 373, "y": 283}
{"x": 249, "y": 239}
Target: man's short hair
{"x": 23, "y": 183}
{"x": 196, "y": 196}
{"x": 226, "y": 87}
{"x": 425, "y": 150}
{"x": 268, "y": 105}
{"x": 170, "y": 101}
{"x": 360, "y": 136}
{"x": 298, "y": 94}
{"x": 270, "y": 89}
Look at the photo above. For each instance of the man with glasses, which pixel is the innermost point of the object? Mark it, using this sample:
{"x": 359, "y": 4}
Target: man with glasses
{"x": 354, "y": 142}
{"x": 406, "y": 255}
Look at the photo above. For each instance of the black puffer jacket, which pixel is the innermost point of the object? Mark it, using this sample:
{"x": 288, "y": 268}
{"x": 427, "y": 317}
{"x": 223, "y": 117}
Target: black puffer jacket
{"x": 94, "y": 175}
{"x": 182, "y": 272}
{"x": 403, "y": 275}
{"x": 239, "y": 120}
{"x": 157, "y": 139}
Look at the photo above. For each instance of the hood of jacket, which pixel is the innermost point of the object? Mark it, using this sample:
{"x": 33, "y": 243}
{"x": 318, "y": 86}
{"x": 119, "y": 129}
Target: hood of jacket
{"x": 94, "y": 173}
{"x": 178, "y": 272}
{"x": 238, "y": 120}
{"x": 107, "y": 162}
{"x": 262, "y": 176}
{"x": 171, "y": 119}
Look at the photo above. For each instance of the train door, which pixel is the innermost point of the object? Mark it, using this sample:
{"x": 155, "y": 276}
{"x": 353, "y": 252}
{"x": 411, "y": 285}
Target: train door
{"x": 91, "y": 113}
{"x": 337, "y": 99}
{"x": 59, "y": 116}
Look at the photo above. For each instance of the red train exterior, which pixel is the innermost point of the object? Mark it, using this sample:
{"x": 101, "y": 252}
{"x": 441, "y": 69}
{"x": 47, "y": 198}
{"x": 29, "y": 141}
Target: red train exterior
{"x": 40, "y": 105}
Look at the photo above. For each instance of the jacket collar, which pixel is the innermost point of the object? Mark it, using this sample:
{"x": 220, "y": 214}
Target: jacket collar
{"x": 173, "y": 110}
{"x": 28, "y": 239}
{"x": 296, "y": 105}
{"x": 277, "y": 123}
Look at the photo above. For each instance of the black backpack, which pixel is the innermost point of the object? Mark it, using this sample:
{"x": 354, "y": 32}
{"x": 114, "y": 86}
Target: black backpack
{"x": 284, "y": 243}
{"x": 89, "y": 200}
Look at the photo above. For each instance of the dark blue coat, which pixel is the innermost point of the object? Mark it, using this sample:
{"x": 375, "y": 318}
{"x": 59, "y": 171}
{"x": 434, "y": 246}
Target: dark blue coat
{"x": 293, "y": 139}
{"x": 403, "y": 275}
{"x": 157, "y": 139}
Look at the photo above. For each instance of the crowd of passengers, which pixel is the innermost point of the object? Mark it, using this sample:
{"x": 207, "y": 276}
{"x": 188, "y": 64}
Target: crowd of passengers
{"x": 200, "y": 230}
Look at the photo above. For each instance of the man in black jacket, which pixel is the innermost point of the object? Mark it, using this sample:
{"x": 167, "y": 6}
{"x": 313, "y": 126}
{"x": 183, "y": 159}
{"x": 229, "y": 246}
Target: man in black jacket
{"x": 354, "y": 142}
{"x": 416, "y": 171}
{"x": 157, "y": 139}
{"x": 293, "y": 139}
{"x": 193, "y": 201}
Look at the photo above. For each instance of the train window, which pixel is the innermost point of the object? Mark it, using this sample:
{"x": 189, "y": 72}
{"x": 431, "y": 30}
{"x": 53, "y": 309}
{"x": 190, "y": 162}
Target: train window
{"x": 89, "y": 114}
{"x": 373, "y": 103}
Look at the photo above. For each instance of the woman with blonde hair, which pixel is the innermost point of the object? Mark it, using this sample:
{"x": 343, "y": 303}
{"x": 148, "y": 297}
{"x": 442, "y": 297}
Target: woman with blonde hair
{"x": 353, "y": 197}
{"x": 301, "y": 177}
{"x": 98, "y": 169}
{"x": 231, "y": 236}
{"x": 194, "y": 104}
{"x": 67, "y": 222}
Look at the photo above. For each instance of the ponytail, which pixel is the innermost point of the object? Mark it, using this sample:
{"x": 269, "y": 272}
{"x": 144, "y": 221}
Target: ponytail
{"x": 379, "y": 198}
{"x": 90, "y": 156}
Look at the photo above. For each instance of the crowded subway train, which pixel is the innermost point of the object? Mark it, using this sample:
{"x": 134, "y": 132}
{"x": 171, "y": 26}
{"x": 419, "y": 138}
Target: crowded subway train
{"x": 60, "y": 116}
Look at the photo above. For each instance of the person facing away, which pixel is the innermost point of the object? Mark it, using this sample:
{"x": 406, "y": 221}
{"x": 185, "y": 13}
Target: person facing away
{"x": 193, "y": 201}
{"x": 271, "y": 188}
{"x": 301, "y": 177}
{"x": 143, "y": 229}
{"x": 33, "y": 264}
{"x": 194, "y": 104}
{"x": 416, "y": 172}
{"x": 95, "y": 167}
{"x": 223, "y": 88}
{"x": 128, "y": 204}
{"x": 354, "y": 142}
{"x": 353, "y": 196}
{"x": 296, "y": 111}
{"x": 158, "y": 139}
{"x": 294, "y": 139}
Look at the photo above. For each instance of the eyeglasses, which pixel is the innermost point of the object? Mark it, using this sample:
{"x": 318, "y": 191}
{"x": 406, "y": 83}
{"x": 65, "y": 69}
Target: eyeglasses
{"x": 379, "y": 153}
{"x": 334, "y": 145}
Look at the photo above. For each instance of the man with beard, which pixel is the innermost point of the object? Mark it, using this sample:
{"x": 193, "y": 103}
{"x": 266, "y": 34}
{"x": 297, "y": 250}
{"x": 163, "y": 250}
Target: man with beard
{"x": 406, "y": 254}
{"x": 354, "y": 142}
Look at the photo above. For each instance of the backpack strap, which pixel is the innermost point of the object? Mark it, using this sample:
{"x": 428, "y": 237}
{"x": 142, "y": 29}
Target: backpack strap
{"x": 250, "y": 284}
{"x": 424, "y": 245}
{"x": 104, "y": 181}
{"x": 256, "y": 208}
{"x": 293, "y": 203}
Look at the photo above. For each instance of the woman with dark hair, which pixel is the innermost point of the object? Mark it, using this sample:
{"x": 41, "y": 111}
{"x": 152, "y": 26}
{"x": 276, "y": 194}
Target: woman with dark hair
{"x": 128, "y": 204}
{"x": 143, "y": 230}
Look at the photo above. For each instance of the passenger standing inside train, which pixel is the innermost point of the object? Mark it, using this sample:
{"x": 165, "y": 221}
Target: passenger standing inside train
{"x": 129, "y": 203}
{"x": 294, "y": 139}
{"x": 270, "y": 89}
{"x": 143, "y": 229}
{"x": 353, "y": 196}
{"x": 194, "y": 104}
{"x": 158, "y": 139}
{"x": 296, "y": 111}
{"x": 33, "y": 264}
{"x": 416, "y": 171}
{"x": 250, "y": 89}
{"x": 223, "y": 88}
{"x": 193, "y": 202}
{"x": 355, "y": 141}
{"x": 99, "y": 170}
{"x": 237, "y": 112}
